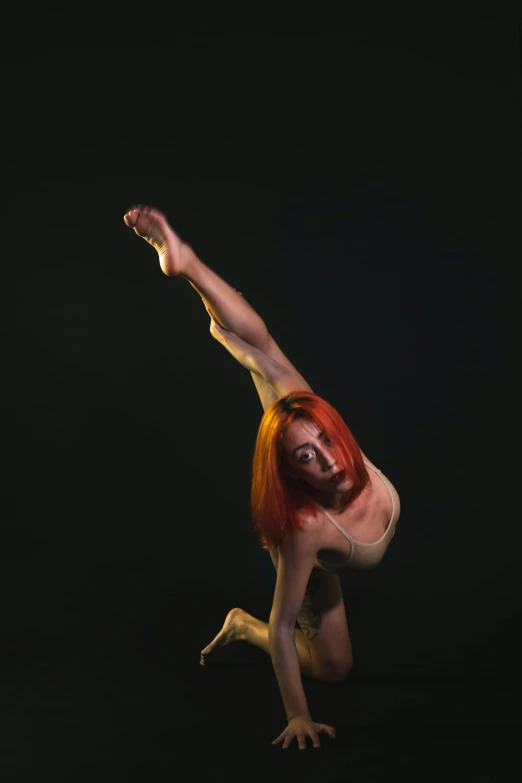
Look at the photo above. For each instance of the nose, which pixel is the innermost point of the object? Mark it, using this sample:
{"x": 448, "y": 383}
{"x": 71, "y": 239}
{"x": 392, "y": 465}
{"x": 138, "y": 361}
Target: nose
{"x": 328, "y": 462}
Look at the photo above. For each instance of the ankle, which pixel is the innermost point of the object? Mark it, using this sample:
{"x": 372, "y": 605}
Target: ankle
{"x": 189, "y": 263}
{"x": 245, "y": 626}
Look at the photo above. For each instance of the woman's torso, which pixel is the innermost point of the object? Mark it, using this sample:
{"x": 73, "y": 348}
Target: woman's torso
{"x": 370, "y": 522}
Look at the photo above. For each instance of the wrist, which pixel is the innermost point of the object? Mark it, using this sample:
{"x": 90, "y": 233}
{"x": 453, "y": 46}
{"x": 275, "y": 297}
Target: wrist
{"x": 304, "y": 715}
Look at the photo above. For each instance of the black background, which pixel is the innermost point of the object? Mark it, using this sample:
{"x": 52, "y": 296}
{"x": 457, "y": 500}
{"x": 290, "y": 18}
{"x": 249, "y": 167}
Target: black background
{"x": 362, "y": 189}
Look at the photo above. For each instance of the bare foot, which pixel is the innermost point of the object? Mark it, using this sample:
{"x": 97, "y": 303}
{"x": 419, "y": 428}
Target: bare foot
{"x": 151, "y": 225}
{"x": 233, "y": 631}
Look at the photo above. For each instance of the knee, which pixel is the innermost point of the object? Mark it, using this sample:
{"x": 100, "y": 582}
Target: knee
{"x": 335, "y": 672}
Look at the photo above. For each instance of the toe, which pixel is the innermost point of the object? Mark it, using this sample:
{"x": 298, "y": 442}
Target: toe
{"x": 131, "y": 217}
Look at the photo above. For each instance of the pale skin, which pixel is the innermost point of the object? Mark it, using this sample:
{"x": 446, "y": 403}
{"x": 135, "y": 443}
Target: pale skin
{"x": 321, "y": 647}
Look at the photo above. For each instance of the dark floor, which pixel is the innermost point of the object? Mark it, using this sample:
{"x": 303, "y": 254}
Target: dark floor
{"x": 136, "y": 704}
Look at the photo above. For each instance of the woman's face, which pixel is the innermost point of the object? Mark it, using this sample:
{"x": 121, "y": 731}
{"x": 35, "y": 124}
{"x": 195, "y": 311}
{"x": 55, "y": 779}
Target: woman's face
{"x": 311, "y": 457}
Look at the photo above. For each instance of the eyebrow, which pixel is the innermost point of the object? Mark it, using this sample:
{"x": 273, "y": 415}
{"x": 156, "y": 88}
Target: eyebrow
{"x": 306, "y": 444}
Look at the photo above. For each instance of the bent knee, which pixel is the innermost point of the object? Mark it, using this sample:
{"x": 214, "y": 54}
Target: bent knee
{"x": 335, "y": 671}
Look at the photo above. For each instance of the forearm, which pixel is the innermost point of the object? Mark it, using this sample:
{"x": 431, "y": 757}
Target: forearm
{"x": 285, "y": 661}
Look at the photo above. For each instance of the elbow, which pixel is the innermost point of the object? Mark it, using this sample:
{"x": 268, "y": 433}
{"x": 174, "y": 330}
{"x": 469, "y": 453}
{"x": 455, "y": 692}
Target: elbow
{"x": 280, "y": 625}
{"x": 280, "y": 640}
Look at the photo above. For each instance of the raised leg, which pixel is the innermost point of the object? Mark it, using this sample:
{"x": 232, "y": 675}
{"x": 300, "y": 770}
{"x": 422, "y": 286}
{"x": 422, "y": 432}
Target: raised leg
{"x": 177, "y": 259}
{"x": 228, "y": 307}
{"x": 267, "y": 394}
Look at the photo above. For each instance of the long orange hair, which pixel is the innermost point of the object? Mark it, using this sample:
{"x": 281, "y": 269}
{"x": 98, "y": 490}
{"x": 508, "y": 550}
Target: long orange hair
{"x": 276, "y": 499}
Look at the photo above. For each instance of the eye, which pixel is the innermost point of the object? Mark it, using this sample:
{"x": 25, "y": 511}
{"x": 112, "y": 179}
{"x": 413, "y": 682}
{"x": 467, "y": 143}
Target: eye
{"x": 305, "y": 455}
{"x": 328, "y": 441}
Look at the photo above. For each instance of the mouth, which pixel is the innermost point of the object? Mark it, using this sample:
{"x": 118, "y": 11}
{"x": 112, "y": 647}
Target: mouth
{"x": 338, "y": 477}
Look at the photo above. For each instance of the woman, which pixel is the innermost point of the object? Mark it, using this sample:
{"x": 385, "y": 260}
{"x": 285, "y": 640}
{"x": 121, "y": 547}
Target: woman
{"x": 318, "y": 503}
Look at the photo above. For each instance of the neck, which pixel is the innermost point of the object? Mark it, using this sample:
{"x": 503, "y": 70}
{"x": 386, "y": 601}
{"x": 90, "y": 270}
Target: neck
{"x": 336, "y": 501}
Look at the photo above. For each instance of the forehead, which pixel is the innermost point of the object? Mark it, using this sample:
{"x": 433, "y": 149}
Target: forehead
{"x": 300, "y": 431}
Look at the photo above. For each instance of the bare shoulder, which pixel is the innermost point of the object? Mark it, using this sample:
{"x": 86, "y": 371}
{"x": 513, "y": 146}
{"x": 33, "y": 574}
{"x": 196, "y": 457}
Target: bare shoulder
{"x": 366, "y": 459}
{"x": 309, "y": 521}
{"x": 305, "y": 537}
{"x": 375, "y": 468}
{"x": 386, "y": 488}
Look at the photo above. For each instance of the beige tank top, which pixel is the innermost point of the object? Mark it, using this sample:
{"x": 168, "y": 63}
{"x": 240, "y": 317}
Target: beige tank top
{"x": 365, "y": 555}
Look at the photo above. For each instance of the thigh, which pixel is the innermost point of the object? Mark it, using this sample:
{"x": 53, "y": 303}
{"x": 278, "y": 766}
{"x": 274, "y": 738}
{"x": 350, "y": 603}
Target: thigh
{"x": 322, "y": 619}
{"x": 275, "y": 352}
{"x": 271, "y": 348}
{"x": 267, "y": 394}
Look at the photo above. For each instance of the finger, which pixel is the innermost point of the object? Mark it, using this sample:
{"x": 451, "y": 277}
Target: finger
{"x": 301, "y": 740}
{"x": 288, "y": 740}
{"x": 279, "y": 739}
{"x": 330, "y": 730}
{"x": 315, "y": 740}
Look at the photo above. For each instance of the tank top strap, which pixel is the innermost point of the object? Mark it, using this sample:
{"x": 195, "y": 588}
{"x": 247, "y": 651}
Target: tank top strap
{"x": 337, "y": 525}
{"x": 387, "y": 485}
